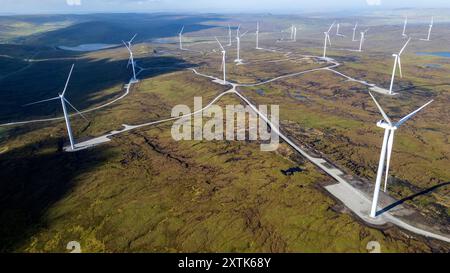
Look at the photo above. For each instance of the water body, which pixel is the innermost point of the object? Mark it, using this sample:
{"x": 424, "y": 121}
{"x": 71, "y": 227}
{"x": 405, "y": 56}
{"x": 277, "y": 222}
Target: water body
{"x": 433, "y": 66}
{"x": 164, "y": 41}
{"x": 437, "y": 54}
{"x": 87, "y": 47}
{"x": 260, "y": 92}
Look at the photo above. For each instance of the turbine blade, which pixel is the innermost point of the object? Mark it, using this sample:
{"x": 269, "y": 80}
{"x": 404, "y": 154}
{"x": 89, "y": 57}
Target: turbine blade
{"x": 403, "y": 48}
{"x": 76, "y": 109}
{"x": 332, "y": 25}
{"x": 328, "y": 38}
{"x": 220, "y": 44}
{"x": 403, "y": 120}
{"x": 244, "y": 34}
{"x": 386, "y": 118}
{"x": 400, "y": 66}
{"x": 388, "y": 161}
{"x": 132, "y": 39}
{"x": 68, "y": 79}
{"x": 181, "y": 31}
{"x": 41, "y": 101}
{"x": 125, "y": 44}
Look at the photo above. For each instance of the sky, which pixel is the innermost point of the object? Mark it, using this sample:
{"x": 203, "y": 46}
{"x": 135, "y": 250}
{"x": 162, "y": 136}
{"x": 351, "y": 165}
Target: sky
{"x": 203, "y": 6}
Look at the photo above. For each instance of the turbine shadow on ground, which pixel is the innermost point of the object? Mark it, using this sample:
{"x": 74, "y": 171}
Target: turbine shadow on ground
{"x": 411, "y": 197}
{"x": 32, "y": 181}
{"x": 86, "y": 90}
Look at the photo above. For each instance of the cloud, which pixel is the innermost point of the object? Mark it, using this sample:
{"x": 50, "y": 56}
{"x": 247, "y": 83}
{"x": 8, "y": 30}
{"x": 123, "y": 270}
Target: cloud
{"x": 373, "y": 2}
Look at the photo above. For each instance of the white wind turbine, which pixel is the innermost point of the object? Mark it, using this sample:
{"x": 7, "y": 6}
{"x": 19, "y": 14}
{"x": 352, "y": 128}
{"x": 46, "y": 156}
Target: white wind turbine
{"x": 229, "y": 35}
{"x": 63, "y": 100}
{"x": 327, "y": 37}
{"x": 180, "y": 37}
{"x": 292, "y": 32}
{"x": 328, "y": 33}
{"x": 131, "y": 61}
{"x": 223, "y": 65}
{"x": 354, "y": 32}
{"x": 337, "y": 30}
{"x": 361, "y": 42}
{"x": 404, "y": 27}
{"x": 238, "y": 45}
{"x": 295, "y": 34}
{"x": 257, "y": 35}
{"x": 398, "y": 62}
{"x": 429, "y": 30}
{"x": 386, "y": 150}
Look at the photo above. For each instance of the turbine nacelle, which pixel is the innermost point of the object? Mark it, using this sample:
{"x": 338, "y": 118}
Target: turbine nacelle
{"x": 385, "y": 125}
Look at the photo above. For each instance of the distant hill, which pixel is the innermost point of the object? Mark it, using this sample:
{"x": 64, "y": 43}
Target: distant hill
{"x": 112, "y": 28}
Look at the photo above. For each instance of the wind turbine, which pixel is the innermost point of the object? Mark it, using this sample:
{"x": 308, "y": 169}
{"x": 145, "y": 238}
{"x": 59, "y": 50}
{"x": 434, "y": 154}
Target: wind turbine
{"x": 131, "y": 61}
{"x": 399, "y": 62}
{"x": 229, "y": 35}
{"x": 328, "y": 33}
{"x": 337, "y": 31}
{"x": 404, "y": 27}
{"x": 180, "y": 36}
{"x": 429, "y": 30}
{"x": 295, "y": 34}
{"x": 361, "y": 42}
{"x": 63, "y": 100}
{"x": 223, "y": 65}
{"x": 257, "y": 35}
{"x": 327, "y": 37}
{"x": 238, "y": 44}
{"x": 292, "y": 32}
{"x": 386, "y": 149}
{"x": 354, "y": 32}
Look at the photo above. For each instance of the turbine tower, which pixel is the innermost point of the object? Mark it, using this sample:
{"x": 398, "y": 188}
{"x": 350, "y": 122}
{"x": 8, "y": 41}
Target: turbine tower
{"x": 63, "y": 100}
{"x": 131, "y": 61}
{"x": 404, "y": 27}
{"x": 238, "y": 45}
{"x": 429, "y": 30}
{"x": 257, "y": 35}
{"x": 292, "y": 32}
{"x": 229, "y": 35}
{"x": 398, "y": 62}
{"x": 327, "y": 38}
{"x": 180, "y": 37}
{"x": 337, "y": 31}
{"x": 223, "y": 65}
{"x": 361, "y": 42}
{"x": 386, "y": 150}
{"x": 354, "y": 32}
{"x": 295, "y": 34}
